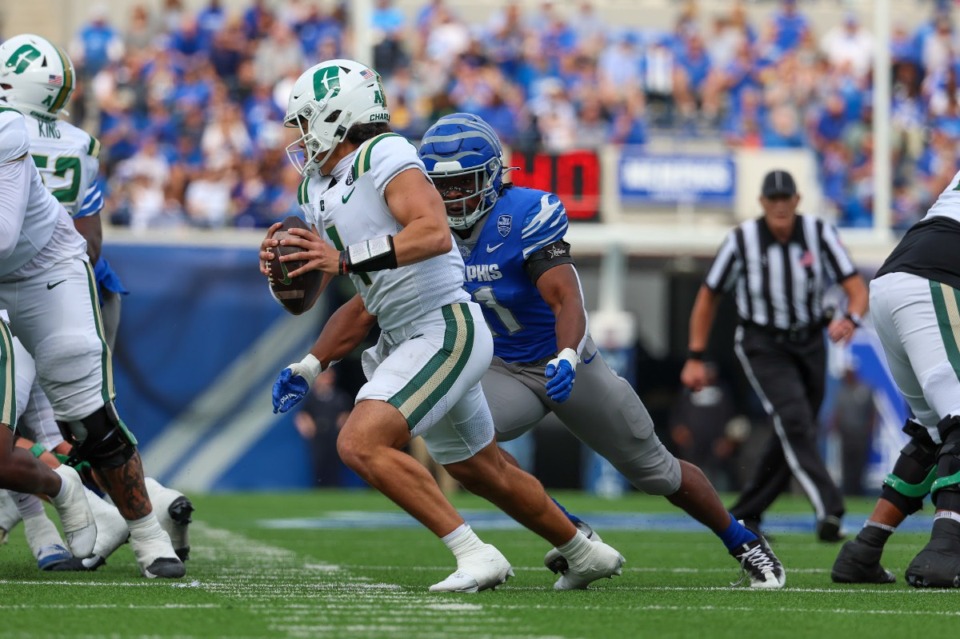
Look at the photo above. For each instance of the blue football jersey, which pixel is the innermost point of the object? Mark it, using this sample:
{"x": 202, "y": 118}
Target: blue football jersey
{"x": 522, "y": 222}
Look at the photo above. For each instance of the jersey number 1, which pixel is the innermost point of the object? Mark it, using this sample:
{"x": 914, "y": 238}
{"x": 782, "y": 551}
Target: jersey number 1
{"x": 484, "y": 295}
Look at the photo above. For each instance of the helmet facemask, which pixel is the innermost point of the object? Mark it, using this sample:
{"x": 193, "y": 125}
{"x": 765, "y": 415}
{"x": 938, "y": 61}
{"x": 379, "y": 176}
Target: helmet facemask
{"x": 461, "y": 187}
{"x": 464, "y": 158}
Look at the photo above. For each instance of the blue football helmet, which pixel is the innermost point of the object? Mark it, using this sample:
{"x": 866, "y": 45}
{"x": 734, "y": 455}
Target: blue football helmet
{"x": 464, "y": 158}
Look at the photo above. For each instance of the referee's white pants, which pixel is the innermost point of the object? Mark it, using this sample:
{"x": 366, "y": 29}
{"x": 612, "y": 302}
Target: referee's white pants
{"x": 918, "y": 321}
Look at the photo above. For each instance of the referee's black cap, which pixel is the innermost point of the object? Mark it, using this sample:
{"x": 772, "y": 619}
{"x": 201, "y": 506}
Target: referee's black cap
{"x": 778, "y": 183}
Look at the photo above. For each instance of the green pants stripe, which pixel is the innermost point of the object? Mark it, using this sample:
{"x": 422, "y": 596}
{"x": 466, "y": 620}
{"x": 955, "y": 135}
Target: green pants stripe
{"x": 435, "y": 379}
{"x": 8, "y": 393}
{"x": 947, "y": 306}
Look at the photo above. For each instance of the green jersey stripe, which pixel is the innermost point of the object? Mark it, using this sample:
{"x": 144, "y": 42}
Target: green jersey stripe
{"x": 94, "y": 149}
{"x": 362, "y": 162}
{"x": 303, "y": 197}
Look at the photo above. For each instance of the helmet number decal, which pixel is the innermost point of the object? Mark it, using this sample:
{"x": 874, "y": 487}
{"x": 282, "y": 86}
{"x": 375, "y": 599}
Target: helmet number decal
{"x": 326, "y": 83}
{"x": 62, "y": 167}
{"x": 22, "y": 58}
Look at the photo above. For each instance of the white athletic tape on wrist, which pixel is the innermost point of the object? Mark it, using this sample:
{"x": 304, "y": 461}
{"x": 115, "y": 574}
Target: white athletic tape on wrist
{"x": 308, "y": 368}
{"x": 569, "y": 355}
{"x": 947, "y": 514}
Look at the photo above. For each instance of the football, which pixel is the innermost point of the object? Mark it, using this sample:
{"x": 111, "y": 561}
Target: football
{"x": 296, "y": 294}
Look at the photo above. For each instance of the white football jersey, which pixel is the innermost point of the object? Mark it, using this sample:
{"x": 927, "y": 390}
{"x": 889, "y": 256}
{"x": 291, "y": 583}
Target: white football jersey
{"x": 349, "y": 207}
{"x": 43, "y": 215}
{"x": 948, "y": 204}
{"x": 68, "y": 159}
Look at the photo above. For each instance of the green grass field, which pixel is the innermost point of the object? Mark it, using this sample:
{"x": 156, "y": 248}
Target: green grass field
{"x": 256, "y": 572}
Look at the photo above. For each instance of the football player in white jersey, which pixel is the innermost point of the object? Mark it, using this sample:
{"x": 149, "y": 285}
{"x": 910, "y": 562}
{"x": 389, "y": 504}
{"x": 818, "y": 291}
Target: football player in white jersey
{"x": 383, "y": 224}
{"x": 914, "y": 302}
{"x": 37, "y": 79}
{"x": 47, "y": 286}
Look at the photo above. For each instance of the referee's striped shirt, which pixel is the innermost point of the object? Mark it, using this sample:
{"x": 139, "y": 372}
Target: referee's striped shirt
{"x": 777, "y": 285}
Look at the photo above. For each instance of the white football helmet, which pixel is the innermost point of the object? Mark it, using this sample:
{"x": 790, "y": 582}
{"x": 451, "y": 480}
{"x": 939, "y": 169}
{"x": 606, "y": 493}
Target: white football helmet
{"x": 36, "y": 76}
{"x": 326, "y": 100}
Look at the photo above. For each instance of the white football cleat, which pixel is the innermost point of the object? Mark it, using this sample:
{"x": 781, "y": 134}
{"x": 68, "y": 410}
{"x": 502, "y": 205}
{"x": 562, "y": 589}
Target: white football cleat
{"x": 554, "y": 559}
{"x": 173, "y": 511}
{"x": 486, "y": 568}
{"x": 600, "y": 561}
{"x": 78, "y": 522}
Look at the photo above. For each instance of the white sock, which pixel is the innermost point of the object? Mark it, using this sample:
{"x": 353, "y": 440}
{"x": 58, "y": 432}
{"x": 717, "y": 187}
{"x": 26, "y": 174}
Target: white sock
{"x": 145, "y": 528}
{"x": 28, "y": 505}
{"x": 462, "y": 541}
{"x": 41, "y": 532}
{"x": 576, "y": 548}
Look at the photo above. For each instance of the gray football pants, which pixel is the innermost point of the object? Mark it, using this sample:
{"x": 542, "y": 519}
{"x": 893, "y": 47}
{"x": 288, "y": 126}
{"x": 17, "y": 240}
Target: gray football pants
{"x": 603, "y": 411}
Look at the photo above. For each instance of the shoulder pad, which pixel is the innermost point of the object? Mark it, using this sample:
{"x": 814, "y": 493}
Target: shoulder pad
{"x": 364, "y": 159}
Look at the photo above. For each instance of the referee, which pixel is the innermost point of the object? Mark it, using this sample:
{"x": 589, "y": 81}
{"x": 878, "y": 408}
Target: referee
{"x": 780, "y": 265}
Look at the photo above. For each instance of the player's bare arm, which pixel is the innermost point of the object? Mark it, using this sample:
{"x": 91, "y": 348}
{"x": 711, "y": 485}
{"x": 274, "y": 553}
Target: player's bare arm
{"x": 418, "y": 207}
{"x": 91, "y": 229}
{"x": 343, "y": 332}
{"x": 694, "y": 373}
{"x": 560, "y": 289}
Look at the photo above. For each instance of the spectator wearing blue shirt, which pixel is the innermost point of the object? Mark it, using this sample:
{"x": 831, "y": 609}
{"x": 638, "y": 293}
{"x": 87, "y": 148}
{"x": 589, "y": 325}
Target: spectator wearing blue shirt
{"x": 97, "y": 43}
{"x": 791, "y": 25}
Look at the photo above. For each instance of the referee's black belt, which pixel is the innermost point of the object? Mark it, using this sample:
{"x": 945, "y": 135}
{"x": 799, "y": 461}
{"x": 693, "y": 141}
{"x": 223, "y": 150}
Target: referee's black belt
{"x": 795, "y": 335}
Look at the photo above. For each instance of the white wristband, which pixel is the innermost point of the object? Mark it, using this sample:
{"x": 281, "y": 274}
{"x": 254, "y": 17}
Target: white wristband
{"x": 570, "y": 356}
{"x": 308, "y": 368}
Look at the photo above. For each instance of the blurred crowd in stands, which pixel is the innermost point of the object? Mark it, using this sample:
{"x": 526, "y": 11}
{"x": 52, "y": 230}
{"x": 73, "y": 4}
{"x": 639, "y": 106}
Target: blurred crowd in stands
{"x": 189, "y": 104}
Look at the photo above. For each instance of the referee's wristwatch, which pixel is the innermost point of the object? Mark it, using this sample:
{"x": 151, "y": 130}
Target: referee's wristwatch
{"x": 855, "y": 319}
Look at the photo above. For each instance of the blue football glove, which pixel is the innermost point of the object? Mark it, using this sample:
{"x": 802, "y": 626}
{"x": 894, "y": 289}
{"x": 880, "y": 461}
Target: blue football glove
{"x": 294, "y": 382}
{"x": 561, "y": 372}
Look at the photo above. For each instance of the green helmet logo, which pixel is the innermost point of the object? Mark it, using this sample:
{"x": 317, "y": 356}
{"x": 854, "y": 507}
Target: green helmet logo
{"x": 22, "y": 58}
{"x": 326, "y": 83}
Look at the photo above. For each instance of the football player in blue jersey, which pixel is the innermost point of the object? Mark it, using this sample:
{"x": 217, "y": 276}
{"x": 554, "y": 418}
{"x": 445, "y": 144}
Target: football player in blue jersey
{"x": 518, "y": 267}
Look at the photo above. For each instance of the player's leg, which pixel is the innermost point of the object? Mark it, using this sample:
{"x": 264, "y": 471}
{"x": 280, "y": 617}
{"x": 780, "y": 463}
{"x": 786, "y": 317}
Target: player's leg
{"x": 482, "y": 469}
{"x": 62, "y": 328}
{"x": 411, "y": 386}
{"x": 914, "y": 471}
{"x": 607, "y": 415}
{"x": 515, "y": 410}
{"x": 938, "y": 564}
{"x": 43, "y": 538}
{"x": 902, "y": 495}
{"x": 21, "y": 472}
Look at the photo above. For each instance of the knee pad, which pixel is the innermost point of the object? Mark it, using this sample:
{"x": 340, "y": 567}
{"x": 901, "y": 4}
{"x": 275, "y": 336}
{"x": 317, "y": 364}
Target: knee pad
{"x": 946, "y": 488}
{"x": 102, "y": 439}
{"x": 662, "y": 479}
{"x": 914, "y": 473}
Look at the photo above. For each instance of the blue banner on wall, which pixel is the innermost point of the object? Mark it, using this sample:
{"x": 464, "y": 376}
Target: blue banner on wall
{"x": 681, "y": 179}
{"x": 200, "y": 343}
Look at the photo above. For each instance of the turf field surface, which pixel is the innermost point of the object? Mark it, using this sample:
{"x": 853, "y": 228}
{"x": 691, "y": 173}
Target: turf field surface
{"x": 350, "y": 564}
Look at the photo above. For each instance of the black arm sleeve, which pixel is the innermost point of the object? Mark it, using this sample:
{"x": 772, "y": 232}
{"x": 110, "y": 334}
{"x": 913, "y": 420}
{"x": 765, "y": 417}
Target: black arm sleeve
{"x": 546, "y": 258}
